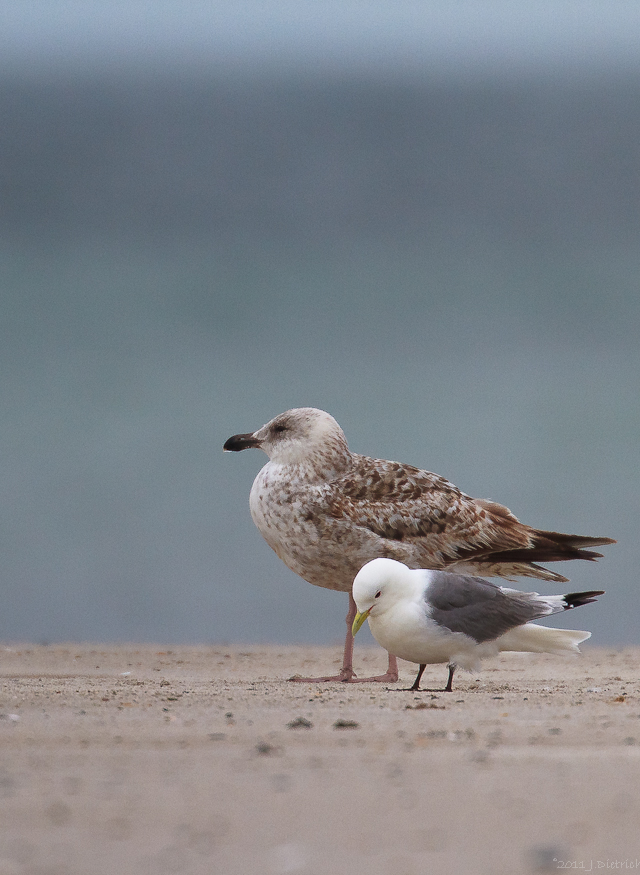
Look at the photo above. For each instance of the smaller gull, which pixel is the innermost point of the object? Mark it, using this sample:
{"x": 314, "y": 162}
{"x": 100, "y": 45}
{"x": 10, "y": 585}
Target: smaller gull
{"x": 436, "y": 616}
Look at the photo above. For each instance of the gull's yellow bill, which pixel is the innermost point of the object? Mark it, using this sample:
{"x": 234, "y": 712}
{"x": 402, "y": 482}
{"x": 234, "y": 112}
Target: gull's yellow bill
{"x": 358, "y": 621}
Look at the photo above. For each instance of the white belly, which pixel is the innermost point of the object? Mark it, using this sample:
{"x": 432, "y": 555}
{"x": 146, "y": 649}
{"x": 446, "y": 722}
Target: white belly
{"x": 408, "y": 633}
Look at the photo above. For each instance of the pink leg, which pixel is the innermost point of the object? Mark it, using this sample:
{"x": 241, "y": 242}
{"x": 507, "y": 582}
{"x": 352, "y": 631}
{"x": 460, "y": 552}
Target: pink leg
{"x": 347, "y": 674}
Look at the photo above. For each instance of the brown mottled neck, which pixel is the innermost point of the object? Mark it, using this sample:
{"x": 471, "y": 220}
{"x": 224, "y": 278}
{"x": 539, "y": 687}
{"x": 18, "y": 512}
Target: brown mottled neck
{"x": 325, "y": 461}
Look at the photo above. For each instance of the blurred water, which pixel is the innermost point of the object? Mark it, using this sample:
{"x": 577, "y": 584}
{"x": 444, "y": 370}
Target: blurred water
{"x": 451, "y": 272}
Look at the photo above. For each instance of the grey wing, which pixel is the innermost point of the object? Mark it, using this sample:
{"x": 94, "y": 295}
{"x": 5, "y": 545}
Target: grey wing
{"x": 478, "y": 608}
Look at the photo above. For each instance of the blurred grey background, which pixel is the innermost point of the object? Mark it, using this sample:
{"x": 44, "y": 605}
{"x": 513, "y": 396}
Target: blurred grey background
{"x": 421, "y": 217}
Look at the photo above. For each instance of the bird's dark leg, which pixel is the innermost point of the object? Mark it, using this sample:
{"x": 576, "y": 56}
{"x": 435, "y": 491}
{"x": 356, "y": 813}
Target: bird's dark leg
{"x": 415, "y": 688}
{"x": 416, "y": 683}
{"x": 347, "y": 674}
{"x": 449, "y": 687}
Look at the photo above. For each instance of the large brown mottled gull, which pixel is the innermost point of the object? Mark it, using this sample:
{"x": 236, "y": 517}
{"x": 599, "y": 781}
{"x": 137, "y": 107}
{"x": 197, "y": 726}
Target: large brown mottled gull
{"x": 327, "y": 512}
{"x": 437, "y": 616}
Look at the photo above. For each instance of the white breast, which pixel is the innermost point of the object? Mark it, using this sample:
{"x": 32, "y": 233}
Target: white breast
{"x": 407, "y": 632}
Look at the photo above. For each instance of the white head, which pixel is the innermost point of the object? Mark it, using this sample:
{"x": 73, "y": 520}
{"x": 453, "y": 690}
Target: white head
{"x": 381, "y": 584}
{"x": 303, "y": 434}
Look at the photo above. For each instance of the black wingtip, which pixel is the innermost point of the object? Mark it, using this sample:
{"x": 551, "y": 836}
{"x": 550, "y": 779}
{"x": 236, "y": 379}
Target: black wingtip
{"x": 577, "y": 599}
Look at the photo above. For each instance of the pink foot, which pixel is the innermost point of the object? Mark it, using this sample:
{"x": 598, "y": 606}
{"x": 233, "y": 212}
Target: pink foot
{"x": 414, "y": 690}
{"x": 389, "y": 677}
{"x": 349, "y": 678}
{"x": 346, "y": 676}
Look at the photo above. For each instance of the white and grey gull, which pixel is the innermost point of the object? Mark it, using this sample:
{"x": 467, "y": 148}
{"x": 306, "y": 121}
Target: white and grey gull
{"x": 326, "y": 512}
{"x": 431, "y": 617}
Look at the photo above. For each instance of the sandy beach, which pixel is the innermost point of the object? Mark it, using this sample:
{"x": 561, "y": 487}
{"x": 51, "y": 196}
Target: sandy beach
{"x": 146, "y": 759}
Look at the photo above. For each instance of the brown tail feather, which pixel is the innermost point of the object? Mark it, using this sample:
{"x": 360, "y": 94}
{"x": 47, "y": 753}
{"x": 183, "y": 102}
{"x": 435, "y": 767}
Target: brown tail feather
{"x": 578, "y": 541}
{"x": 550, "y": 547}
{"x": 520, "y": 560}
{"x": 551, "y": 553}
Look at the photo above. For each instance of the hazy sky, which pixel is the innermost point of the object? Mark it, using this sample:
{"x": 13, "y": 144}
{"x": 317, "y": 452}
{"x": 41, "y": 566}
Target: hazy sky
{"x": 460, "y": 38}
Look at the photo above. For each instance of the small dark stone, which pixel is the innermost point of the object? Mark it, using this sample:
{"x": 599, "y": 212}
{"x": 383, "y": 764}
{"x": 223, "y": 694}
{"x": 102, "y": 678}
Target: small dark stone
{"x": 300, "y": 723}
{"x": 423, "y": 706}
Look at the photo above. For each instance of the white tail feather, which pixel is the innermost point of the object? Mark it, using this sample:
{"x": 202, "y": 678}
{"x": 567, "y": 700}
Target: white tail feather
{"x": 532, "y": 638}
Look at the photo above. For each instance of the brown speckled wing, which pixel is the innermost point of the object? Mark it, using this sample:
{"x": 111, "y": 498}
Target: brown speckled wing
{"x": 402, "y": 503}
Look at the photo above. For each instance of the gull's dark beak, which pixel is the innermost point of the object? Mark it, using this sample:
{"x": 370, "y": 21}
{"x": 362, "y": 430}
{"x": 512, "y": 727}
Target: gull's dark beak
{"x": 241, "y": 442}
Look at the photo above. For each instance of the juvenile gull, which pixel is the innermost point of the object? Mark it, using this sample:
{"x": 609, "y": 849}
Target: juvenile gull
{"x": 436, "y": 616}
{"x": 327, "y": 511}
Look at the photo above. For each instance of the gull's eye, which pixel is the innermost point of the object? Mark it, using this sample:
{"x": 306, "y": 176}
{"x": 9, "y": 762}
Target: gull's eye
{"x": 279, "y": 428}
{"x": 378, "y": 594}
